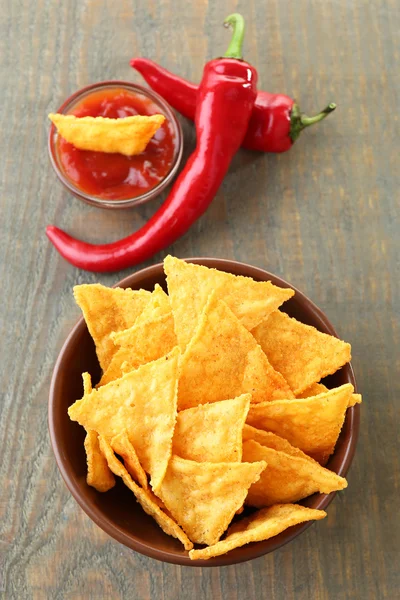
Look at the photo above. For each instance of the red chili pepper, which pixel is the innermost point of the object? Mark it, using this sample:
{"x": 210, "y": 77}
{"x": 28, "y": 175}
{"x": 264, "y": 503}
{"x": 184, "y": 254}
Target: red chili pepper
{"x": 225, "y": 100}
{"x": 276, "y": 121}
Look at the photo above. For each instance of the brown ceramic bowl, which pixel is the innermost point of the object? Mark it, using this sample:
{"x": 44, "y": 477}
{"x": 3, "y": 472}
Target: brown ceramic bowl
{"x": 116, "y": 511}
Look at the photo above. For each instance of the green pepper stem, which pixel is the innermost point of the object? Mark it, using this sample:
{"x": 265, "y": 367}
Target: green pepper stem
{"x": 307, "y": 121}
{"x": 235, "y": 47}
{"x": 299, "y": 121}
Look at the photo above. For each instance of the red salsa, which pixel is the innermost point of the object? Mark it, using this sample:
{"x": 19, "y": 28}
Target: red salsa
{"x": 115, "y": 176}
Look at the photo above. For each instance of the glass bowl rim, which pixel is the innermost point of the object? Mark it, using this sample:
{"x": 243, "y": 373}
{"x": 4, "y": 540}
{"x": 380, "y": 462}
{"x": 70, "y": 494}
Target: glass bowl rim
{"x": 127, "y": 202}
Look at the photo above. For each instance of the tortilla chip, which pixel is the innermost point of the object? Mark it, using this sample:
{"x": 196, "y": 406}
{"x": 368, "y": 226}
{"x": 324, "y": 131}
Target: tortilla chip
{"x": 223, "y": 360}
{"x": 144, "y": 403}
{"x": 121, "y": 445}
{"x": 151, "y": 337}
{"x": 158, "y": 306}
{"x": 271, "y": 440}
{"x": 106, "y": 310}
{"x": 189, "y": 287}
{"x": 127, "y": 135}
{"x": 354, "y": 399}
{"x": 311, "y": 424}
{"x": 313, "y": 390}
{"x": 262, "y": 525}
{"x": 319, "y": 388}
{"x": 99, "y": 475}
{"x": 146, "y": 498}
{"x": 212, "y": 432}
{"x": 203, "y": 497}
{"x": 300, "y": 352}
{"x": 144, "y": 342}
{"x": 287, "y": 478}
{"x": 87, "y": 383}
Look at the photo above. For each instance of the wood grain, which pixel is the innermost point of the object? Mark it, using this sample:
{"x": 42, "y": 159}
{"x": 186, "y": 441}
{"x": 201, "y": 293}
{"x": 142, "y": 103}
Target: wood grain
{"x": 325, "y": 216}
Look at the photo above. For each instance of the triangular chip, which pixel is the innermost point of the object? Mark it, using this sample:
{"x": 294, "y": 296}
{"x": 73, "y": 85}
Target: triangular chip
{"x": 223, "y": 360}
{"x": 313, "y": 390}
{"x": 151, "y": 337}
{"x": 300, "y": 352}
{"x": 262, "y": 525}
{"x": 144, "y": 342}
{"x": 212, "y": 432}
{"x": 127, "y": 135}
{"x": 271, "y": 440}
{"x": 158, "y": 306}
{"x": 145, "y": 498}
{"x": 311, "y": 424}
{"x": 319, "y": 388}
{"x": 189, "y": 287}
{"x": 287, "y": 478}
{"x": 121, "y": 445}
{"x": 203, "y": 497}
{"x": 106, "y": 310}
{"x": 144, "y": 403}
{"x": 99, "y": 475}
{"x": 354, "y": 399}
{"x": 87, "y": 383}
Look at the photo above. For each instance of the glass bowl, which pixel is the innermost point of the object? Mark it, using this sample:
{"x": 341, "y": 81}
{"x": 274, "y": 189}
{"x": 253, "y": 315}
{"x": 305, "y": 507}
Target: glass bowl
{"x": 165, "y": 109}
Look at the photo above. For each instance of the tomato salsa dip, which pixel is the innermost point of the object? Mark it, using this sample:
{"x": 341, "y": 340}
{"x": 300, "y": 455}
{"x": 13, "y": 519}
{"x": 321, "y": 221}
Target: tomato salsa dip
{"x": 113, "y": 178}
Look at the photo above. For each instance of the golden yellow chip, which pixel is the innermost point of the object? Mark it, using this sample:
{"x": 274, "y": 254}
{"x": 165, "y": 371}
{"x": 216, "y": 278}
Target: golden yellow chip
{"x": 144, "y": 403}
{"x": 99, "y": 475}
{"x": 313, "y": 390}
{"x": 128, "y": 135}
{"x": 223, "y": 360}
{"x": 271, "y": 440}
{"x": 189, "y": 287}
{"x": 145, "y": 498}
{"x": 203, "y": 497}
{"x": 87, "y": 383}
{"x": 121, "y": 445}
{"x": 158, "y": 306}
{"x": 287, "y": 478}
{"x": 212, "y": 432}
{"x": 151, "y": 337}
{"x": 319, "y": 388}
{"x": 301, "y": 353}
{"x": 354, "y": 399}
{"x": 311, "y": 424}
{"x": 106, "y": 310}
{"x": 262, "y": 525}
{"x": 144, "y": 342}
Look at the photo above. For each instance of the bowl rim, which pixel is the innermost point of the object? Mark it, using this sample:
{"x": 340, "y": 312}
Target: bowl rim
{"x": 127, "y": 202}
{"x": 255, "y": 549}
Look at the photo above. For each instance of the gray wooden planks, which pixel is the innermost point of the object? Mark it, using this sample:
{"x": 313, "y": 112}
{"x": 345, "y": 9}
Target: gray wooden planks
{"x": 324, "y": 216}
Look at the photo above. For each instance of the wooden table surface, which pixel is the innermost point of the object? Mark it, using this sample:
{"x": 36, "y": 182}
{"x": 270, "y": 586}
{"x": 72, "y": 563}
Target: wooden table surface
{"x": 324, "y": 216}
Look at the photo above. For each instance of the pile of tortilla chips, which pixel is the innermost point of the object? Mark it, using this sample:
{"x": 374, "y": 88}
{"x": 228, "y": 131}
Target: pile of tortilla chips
{"x": 210, "y": 401}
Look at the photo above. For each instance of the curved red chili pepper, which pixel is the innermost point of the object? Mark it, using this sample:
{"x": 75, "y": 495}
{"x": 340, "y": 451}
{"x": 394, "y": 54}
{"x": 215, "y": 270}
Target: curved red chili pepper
{"x": 225, "y": 100}
{"x": 178, "y": 92}
{"x": 275, "y": 122}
